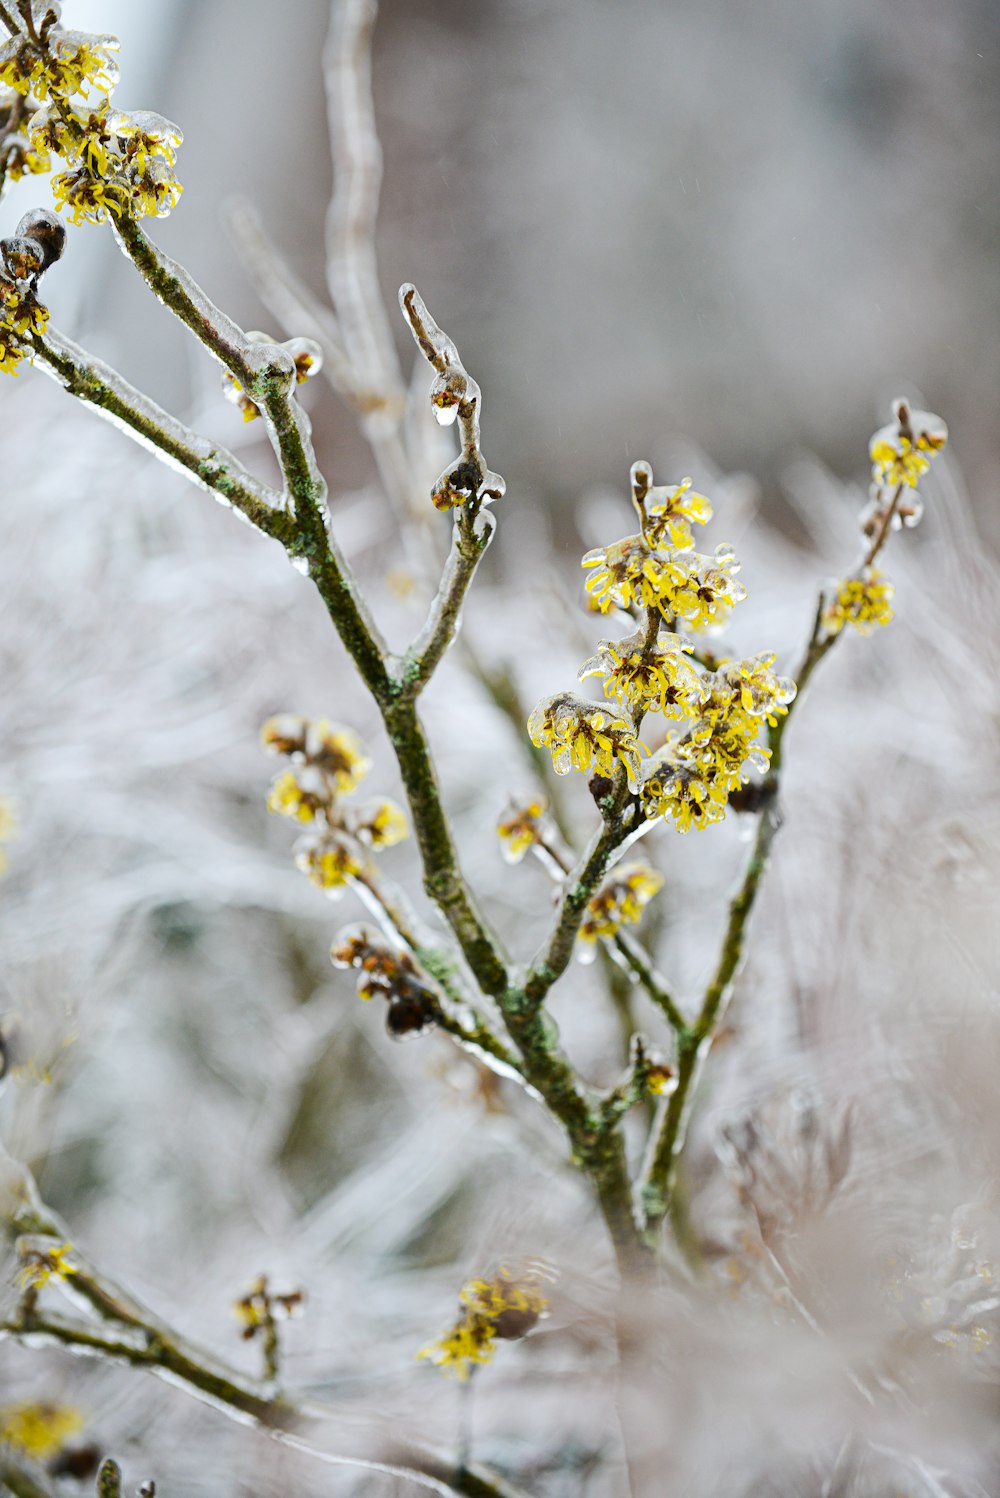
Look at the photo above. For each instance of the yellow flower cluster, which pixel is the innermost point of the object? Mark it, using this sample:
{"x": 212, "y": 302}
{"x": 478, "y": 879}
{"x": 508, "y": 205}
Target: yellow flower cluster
{"x": 585, "y": 736}
{"x": 619, "y": 902}
{"x": 328, "y": 763}
{"x": 504, "y": 1306}
{"x": 38, "y": 1431}
{"x": 116, "y": 163}
{"x": 391, "y": 975}
{"x": 692, "y": 777}
{"x": 863, "y": 602}
{"x": 670, "y": 589}
{"x": 902, "y": 450}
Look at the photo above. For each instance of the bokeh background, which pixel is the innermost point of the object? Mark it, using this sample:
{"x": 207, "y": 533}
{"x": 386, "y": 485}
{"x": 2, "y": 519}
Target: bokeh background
{"x": 719, "y": 237}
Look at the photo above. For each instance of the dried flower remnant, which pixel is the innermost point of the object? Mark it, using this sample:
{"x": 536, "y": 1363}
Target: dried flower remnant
{"x": 504, "y": 1306}
{"x": 38, "y": 1430}
{"x": 307, "y": 358}
{"x": 390, "y": 975}
{"x": 262, "y": 1305}
{"x": 865, "y": 603}
{"x": 620, "y": 901}
{"x": 584, "y": 736}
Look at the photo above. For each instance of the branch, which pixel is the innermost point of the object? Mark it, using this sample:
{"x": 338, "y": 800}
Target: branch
{"x": 211, "y": 467}
{"x": 635, "y": 958}
{"x": 352, "y": 266}
{"x": 21, "y": 1480}
{"x": 469, "y": 542}
{"x": 694, "y": 1044}
{"x": 137, "y": 1338}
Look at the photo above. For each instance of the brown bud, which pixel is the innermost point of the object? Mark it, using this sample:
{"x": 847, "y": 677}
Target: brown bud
{"x": 410, "y": 1011}
{"x": 48, "y": 232}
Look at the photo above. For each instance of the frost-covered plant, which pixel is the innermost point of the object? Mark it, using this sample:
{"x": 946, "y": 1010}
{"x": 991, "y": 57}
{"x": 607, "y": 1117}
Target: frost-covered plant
{"x": 675, "y": 736}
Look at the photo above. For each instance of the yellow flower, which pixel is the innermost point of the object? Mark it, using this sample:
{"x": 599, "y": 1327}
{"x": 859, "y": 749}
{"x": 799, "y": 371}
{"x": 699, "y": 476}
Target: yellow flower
{"x": 146, "y": 135}
{"x": 761, "y": 693}
{"x": 584, "y": 736}
{"x": 668, "y": 514}
{"x": 518, "y": 829}
{"x": 38, "y": 1431}
{"x": 659, "y": 679}
{"x": 300, "y": 793}
{"x": 504, "y": 1306}
{"x": 378, "y": 824}
{"x": 707, "y": 590}
{"x": 328, "y": 860}
{"x": 864, "y": 602}
{"x": 620, "y": 901}
{"x": 40, "y": 1265}
{"x": 628, "y": 573}
{"x": 87, "y": 199}
{"x": 899, "y": 451}
{"x": 76, "y": 62}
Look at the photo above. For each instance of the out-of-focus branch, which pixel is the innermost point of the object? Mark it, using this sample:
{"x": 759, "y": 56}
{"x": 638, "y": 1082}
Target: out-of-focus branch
{"x": 352, "y": 266}
{"x": 24, "y": 1482}
{"x": 126, "y": 1332}
{"x": 469, "y": 542}
{"x": 287, "y": 297}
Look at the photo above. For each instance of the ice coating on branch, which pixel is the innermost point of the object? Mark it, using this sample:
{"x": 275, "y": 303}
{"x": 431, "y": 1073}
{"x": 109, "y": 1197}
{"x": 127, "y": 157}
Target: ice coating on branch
{"x": 454, "y": 397}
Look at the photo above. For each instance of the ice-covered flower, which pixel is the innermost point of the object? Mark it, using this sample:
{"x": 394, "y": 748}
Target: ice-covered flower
{"x": 582, "y": 735}
{"x": 901, "y": 451}
{"x": 144, "y": 135}
{"x": 659, "y": 678}
{"x": 619, "y": 902}
{"x": 761, "y": 693}
{"x": 707, "y": 590}
{"x": 669, "y": 512}
{"x": 628, "y": 573}
{"x": 76, "y": 62}
{"x": 378, "y": 824}
{"x": 863, "y": 602}
{"x": 301, "y": 793}
{"x": 88, "y": 199}
{"x": 520, "y": 828}
{"x": 329, "y": 859}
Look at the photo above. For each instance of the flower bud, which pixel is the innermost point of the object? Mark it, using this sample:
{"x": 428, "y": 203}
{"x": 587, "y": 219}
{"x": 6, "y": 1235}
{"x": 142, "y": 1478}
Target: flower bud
{"x": 48, "y": 232}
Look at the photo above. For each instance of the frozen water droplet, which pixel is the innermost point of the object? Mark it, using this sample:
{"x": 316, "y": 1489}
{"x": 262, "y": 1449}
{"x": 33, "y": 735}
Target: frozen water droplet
{"x": 445, "y": 414}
